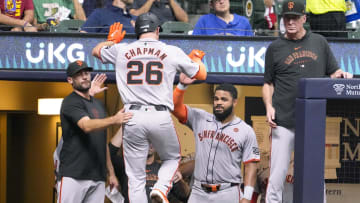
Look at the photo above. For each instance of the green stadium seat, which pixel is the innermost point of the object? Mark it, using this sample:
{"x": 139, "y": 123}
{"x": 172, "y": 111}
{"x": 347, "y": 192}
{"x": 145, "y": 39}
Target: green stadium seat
{"x": 67, "y": 26}
{"x": 175, "y": 27}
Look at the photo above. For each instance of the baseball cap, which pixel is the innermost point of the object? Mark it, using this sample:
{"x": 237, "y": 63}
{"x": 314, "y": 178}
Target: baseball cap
{"x": 293, "y": 8}
{"x": 76, "y": 67}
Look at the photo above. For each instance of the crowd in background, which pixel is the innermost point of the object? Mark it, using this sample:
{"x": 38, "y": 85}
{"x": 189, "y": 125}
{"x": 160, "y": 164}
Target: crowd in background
{"x": 205, "y": 17}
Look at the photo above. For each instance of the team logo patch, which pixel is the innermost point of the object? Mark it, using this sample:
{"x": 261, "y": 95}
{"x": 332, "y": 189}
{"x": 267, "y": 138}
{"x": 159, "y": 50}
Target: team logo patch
{"x": 79, "y": 62}
{"x": 236, "y": 130}
{"x": 339, "y": 88}
{"x": 291, "y": 5}
{"x": 256, "y": 150}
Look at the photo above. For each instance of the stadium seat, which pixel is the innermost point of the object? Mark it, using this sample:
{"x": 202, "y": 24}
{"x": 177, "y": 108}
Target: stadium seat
{"x": 175, "y": 27}
{"x": 67, "y": 26}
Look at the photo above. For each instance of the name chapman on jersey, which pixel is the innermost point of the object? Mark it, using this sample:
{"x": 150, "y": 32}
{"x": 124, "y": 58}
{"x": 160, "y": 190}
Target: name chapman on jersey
{"x": 145, "y": 51}
{"x": 221, "y": 137}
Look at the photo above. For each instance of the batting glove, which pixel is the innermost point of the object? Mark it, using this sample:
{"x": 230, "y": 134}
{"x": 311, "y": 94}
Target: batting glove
{"x": 116, "y": 34}
{"x": 196, "y": 54}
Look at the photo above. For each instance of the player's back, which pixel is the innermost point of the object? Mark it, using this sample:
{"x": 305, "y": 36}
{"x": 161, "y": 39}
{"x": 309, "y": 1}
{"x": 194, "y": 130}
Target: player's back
{"x": 145, "y": 71}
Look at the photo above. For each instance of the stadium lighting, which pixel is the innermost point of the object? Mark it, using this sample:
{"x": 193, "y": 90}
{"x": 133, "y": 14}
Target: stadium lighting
{"x": 49, "y": 106}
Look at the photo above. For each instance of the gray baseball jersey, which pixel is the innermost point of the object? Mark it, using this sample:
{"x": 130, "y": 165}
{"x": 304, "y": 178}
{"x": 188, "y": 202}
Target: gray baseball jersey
{"x": 145, "y": 70}
{"x": 220, "y": 148}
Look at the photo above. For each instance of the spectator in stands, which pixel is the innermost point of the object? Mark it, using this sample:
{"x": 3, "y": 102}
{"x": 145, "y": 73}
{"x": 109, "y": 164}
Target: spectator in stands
{"x": 57, "y": 10}
{"x": 17, "y": 15}
{"x": 101, "y": 19}
{"x": 327, "y": 17}
{"x": 222, "y": 22}
{"x": 165, "y": 10}
{"x": 90, "y": 5}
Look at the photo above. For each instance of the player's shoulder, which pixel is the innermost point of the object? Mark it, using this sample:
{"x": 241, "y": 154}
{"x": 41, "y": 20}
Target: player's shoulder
{"x": 246, "y": 128}
{"x": 200, "y": 113}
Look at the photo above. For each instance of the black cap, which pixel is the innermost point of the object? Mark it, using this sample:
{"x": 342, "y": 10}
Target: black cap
{"x": 293, "y": 8}
{"x": 77, "y": 66}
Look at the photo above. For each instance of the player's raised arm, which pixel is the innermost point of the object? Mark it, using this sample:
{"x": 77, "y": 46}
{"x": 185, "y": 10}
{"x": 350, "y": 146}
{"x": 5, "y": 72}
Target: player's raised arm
{"x": 196, "y": 56}
{"x": 180, "y": 111}
{"x": 116, "y": 34}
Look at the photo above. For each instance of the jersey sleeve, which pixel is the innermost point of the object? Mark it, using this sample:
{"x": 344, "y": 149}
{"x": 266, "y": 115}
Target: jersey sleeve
{"x": 185, "y": 64}
{"x": 194, "y": 116}
{"x": 74, "y": 110}
{"x": 269, "y": 66}
{"x": 251, "y": 151}
{"x": 108, "y": 53}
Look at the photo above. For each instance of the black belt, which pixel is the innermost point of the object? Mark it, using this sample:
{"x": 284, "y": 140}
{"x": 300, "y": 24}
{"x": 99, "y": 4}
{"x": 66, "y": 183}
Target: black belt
{"x": 215, "y": 187}
{"x": 157, "y": 107}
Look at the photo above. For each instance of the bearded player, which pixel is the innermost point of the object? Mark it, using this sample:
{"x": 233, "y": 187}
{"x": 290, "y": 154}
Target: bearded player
{"x": 222, "y": 142}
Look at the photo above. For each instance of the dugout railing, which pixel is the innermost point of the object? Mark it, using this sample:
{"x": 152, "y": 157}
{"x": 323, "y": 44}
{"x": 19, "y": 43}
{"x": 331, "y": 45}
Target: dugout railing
{"x": 310, "y": 133}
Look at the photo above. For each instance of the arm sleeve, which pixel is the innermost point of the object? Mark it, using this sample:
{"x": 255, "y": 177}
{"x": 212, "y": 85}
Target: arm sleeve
{"x": 180, "y": 110}
{"x": 269, "y": 73}
{"x": 251, "y": 151}
{"x": 108, "y": 53}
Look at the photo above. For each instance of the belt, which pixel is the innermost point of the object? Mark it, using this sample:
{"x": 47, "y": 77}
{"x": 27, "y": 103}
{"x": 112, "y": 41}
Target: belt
{"x": 217, "y": 187}
{"x": 146, "y": 108}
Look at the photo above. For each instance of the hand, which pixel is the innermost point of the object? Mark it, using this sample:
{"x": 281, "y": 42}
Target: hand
{"x": 341, "y": 74}
{"x": 270, "y": 116}
{"x": 16, "y": 29}
{"x": 30, "y": 28}
{"x": 121, "y": 117}
{"x": 116, "y": 34}
{"x": 184, "y": 79}
{"x": 243, "y": 200}
{"x": 113, "y": 182}
{"x": 96, "y": 84}
{"x": 177, "y": 177}
{"x": 196, "y": 54}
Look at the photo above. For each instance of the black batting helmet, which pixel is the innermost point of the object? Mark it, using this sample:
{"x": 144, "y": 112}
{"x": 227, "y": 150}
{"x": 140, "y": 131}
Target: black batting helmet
{"x": 147, "y": 22}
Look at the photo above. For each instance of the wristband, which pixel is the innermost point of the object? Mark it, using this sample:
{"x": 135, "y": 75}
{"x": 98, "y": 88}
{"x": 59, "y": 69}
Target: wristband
{"x": 25, "y": 24}
{"x": 248, "y": 191}
{"x": 182, "y": 86}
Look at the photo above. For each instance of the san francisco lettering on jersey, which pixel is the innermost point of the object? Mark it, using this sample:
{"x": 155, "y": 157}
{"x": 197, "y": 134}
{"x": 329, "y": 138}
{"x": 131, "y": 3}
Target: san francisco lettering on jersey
{"x": 221, "y": 137}
{"x": 145, "y": 51}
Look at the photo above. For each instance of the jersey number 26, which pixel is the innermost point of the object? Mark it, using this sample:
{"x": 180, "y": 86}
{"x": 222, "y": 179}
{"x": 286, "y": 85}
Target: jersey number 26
{"x": 153, "y": 72}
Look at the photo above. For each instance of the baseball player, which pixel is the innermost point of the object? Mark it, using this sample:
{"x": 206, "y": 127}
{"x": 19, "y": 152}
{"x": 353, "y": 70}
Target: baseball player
{"x": 222, "y": 141}
{"x": 145, "y": 71}
{"x": 297, "y": 54}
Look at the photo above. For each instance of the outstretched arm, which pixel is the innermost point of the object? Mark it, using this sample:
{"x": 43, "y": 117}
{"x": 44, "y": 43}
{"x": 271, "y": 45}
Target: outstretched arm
{"x": 116, "y": 34}
{"x": 196, "y": 56}
{"x": 180, "y": 110}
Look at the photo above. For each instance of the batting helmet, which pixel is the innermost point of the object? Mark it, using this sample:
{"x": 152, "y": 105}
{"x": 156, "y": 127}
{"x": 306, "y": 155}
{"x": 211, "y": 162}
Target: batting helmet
{"x": 147, "y": 22}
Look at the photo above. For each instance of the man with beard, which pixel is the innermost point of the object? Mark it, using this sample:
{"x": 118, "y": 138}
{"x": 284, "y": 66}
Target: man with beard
{"x": 84, "y": 156}
{"x": 222, "y": 141}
